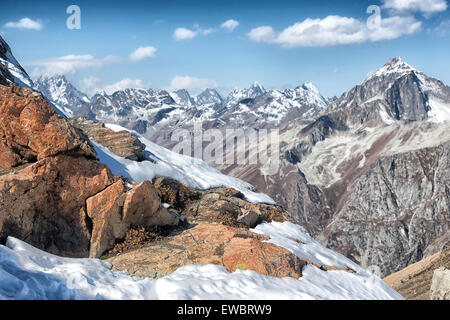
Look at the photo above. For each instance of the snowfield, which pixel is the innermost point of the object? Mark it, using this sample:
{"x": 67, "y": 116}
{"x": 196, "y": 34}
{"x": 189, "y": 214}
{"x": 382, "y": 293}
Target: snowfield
{"x": 194, "y": 172}
{"x": 29, "y": 273}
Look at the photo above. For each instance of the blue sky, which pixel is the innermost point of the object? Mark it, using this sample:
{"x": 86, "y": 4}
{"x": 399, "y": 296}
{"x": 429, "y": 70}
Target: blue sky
{"x": 277, "y": 43}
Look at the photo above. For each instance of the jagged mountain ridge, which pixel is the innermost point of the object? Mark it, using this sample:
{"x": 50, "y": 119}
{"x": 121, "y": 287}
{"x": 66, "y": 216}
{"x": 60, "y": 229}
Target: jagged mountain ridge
{"x": 10, "y": 69}
{"x": 61, "y": 93}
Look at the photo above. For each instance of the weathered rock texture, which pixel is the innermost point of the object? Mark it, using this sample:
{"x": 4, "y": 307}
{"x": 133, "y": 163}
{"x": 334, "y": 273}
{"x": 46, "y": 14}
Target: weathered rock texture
{"x": 415, "y": 281}
{"x": 394, "y": 211}
{"x": 114, "y": 211}
{"x": 219, "y": 205}
{"x": 440, "y": 286}
{"x": 231, "y": 247}
{"x": 121, "y": 143}
{"x": 53, "y": 193}
{"x": 30, "y": 129}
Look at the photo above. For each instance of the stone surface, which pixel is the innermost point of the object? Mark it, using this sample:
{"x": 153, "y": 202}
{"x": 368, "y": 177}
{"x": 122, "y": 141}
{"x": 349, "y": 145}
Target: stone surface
{"x": 440, "y": 286}
{"x": 30, "y": 129}
{"x": 121, "y": 143}
{"x": 114, "y": 211}
{"x": 141, "y": 205}
{"x": 105, "y": 211}
{"x": 44, "y": 203}
{"x": 234, "y": 248}
{"x": 414, "y": 282}
{"x": 219, "y": 205}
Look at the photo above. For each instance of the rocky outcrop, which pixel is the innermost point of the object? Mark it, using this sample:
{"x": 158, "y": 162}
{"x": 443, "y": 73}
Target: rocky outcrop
{"x": 415, "y": 281}
{"x": 30, "y": 129}
{"x": 440, "y": 286}
{"x": 44, "y": 203}
{"x": 220, "y": 205}
{"x": 233, "y": 248}
{"x": 54, "y": 194}
{"x": 121, "y": 143}
{"x": 114, "y": 211}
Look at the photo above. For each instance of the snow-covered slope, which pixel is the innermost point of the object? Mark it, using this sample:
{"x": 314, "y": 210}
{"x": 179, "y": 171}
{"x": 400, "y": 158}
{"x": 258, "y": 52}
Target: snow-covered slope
{"x": 10, "y": 69}
{"x": 165, "y": 163}
{"x": 28, "y": 273}
{"x": 61, "y": 93}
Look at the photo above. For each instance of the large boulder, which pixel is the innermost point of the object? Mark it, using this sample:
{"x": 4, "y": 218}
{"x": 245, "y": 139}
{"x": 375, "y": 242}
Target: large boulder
{"x": 121, "y": 143}
{"x": 31, "y": 130}
{"x": 440, "y": 286}
{"x": 44, "y": 203}
{"x": 114, "y": 211}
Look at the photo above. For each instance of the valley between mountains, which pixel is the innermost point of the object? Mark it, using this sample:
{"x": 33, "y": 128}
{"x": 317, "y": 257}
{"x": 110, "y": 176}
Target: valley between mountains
{"x": 362, "y": 190}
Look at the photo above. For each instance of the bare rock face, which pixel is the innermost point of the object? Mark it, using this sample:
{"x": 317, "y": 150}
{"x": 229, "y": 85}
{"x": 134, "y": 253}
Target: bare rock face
{"x": 44, "y": 203}
{"x": 122, "y": 143}
{"x": 394, "y": 211}
{"x": 141, "y": 204}
{"x": 414, "y": 282}
{"x": 114, "y": 211}
{"x": 30, "y": 129}
{"x": 218, "y": 205}
{"x": 440, "y": 286}
{"x": 234, "y": 248}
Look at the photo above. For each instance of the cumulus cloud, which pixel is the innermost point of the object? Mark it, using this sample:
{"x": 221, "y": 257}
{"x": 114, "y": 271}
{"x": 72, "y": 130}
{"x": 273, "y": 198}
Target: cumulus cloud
{"x": 68, "y": 64}
{"x": 183, "y": 34}
{"x": 335, "y": 31}
{"x": 93, "y": 85}
{"x": 25, "y": 23}
{"x": 191, "y": 83}
{"x": 230, "y": 25}
{"x": 123, "y": 84}
{"x": 142, "y": 53}
{"x": 424, "y": 6}
{"x": 89, "y": 85}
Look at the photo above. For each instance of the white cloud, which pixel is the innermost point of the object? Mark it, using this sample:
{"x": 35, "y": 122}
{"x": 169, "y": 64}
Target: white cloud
{"x": 142, "y": 53}
{"x": 424, "y": 6}
{"x": 123, "y": 84}
{"x": 335, "y": 31}
{"x": 262, "y": 34}
{"x": 230, "y": 25}
{"x": 68, "y": 64}
{"x": 191, "y": 83}
{"x": 184, "y": 34}
{"x": 205, "y": 32}
{"x": 89, "y": 85}
{"x": 25, "y": 23}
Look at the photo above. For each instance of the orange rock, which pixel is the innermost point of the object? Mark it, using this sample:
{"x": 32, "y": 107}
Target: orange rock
{"x": 262, "y": 257}
{"x": 43, "y": 203}
{"x": 141, "y": 204}
{"x": 105, "y": 210}
{"x": 234, "y": 248}
{"x": 30, "y": 129}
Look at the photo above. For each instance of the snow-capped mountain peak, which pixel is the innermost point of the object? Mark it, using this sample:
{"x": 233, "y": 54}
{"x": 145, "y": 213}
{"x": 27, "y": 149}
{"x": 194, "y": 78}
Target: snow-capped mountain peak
{"x": 251, "y": 92}
{"x": 394, "y": 66}
{"x": 61, "y": 93}
{"x": 182, "y": 97}
{"x": 208, "y": 96}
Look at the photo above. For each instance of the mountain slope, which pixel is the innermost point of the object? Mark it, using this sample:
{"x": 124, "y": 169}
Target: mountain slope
{"x": 61, "y": 93}
{"x": 10, "y": 69}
